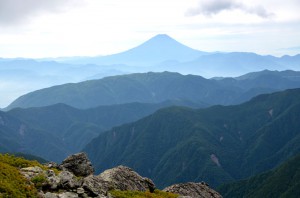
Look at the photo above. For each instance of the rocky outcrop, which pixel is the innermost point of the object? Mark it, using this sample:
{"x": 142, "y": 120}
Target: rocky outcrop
{"x": 74, "y": 178}
{"x": 124, "y": 178}
{"x": 79, "y": 164}
{"x": 194, "y": 190}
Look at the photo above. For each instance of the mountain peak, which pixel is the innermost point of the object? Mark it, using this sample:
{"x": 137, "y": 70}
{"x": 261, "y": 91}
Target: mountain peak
{"x": 162, "y": 39}
{"x": 158, "y": 49}
{"x": 155, "y": 51}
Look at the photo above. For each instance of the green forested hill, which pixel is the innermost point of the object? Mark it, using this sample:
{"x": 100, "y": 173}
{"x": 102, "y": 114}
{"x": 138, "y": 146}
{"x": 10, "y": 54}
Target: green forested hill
{"x": 18, "y": 136}
{"x": 158, "y": 87}
{"x": 216, "y": 145}
{"x": 55, "y": 131}
{"x": 282, "y": 182}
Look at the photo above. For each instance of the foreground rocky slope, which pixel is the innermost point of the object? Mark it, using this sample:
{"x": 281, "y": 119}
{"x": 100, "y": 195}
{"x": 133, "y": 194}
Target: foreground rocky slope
{"x": 74, "y": 178}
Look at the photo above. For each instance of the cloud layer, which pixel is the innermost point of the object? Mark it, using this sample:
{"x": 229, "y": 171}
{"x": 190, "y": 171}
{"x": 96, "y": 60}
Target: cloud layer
{"x": 213, "y": 7}
{"x": 16, "y": 11}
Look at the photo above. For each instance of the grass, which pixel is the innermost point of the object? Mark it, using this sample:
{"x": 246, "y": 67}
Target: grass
{"x": 139, "y": 194}
{"x": 12, "y": 182}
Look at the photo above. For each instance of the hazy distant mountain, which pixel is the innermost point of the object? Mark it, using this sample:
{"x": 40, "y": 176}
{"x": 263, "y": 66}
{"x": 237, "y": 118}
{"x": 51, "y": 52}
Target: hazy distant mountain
{"x": 163, "y": 53}
{"x": 158, "y": 87}
{"x": 152, "y": 52}
{"x": 215, "y": 145}
{"x": 20, "y": 76}
{"x": 280, "y": 182}
{"x": 228, "y": 64}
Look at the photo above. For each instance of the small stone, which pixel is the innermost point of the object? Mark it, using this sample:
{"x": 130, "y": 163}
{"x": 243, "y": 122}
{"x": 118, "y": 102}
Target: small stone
{"x": 50, "y": 173}
{"x": 80, "y": 191}
{"x": 68, "y": 195}
{"x": 84, "y": 195}
{"x": 51, "y": 165}
{"x": 51, "y": 195}
{"x": 35, "y": 169}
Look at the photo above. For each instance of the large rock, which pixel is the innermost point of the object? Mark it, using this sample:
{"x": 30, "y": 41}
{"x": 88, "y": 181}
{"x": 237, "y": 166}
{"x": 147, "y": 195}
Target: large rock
{"x": 95, "y": 186}
{"x": 195, "y": 190}
{"x": 78, "y": 164}
{"x": 124, "y": 178}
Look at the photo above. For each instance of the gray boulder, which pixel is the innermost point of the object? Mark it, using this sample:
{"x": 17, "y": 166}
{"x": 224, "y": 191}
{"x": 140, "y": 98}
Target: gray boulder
{"x": 195, "y": 190}
{"x": 124, "y": 178}
{"x": 78, "y": 164}
{"x": 95, "y": 186}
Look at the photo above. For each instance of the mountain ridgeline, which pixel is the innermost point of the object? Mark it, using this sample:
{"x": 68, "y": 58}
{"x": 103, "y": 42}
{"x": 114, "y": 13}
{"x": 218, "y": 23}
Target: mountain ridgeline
{"x": 158, "y": 87}
{"x": 217, "y": 144}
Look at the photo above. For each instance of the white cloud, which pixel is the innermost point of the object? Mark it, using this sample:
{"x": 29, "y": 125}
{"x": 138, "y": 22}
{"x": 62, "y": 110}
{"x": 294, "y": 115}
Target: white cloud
{"x": 17, "y": 11}
{"x": 214, "y": 7}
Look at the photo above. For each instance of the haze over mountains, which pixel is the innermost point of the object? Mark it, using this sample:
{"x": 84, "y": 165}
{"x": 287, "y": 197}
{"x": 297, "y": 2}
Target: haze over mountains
{"x": 160, "y": 53}
{"x": 163, "y": 53}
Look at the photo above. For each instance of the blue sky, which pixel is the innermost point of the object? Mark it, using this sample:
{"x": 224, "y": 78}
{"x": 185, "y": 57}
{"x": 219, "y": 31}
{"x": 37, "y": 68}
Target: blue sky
{"x": 55, "y": 28}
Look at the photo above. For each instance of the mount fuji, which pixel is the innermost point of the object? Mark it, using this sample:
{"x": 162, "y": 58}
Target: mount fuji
{"x": 158, "y": 49}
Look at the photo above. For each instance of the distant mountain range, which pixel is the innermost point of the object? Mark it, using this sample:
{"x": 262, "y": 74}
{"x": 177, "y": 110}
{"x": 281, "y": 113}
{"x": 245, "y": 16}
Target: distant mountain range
{"x": 158, "y": 87}
{"x": 163, "y": 53}
{"x": 158, "y": 54}
{"x": 216, "y": 145}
